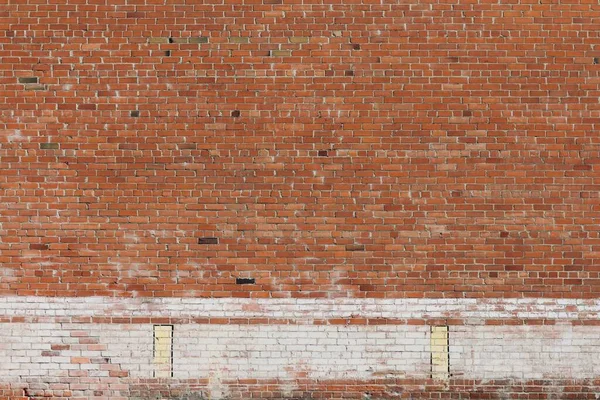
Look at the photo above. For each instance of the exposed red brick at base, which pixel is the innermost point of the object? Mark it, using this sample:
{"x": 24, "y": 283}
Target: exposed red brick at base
{"x": 308, "y": 389}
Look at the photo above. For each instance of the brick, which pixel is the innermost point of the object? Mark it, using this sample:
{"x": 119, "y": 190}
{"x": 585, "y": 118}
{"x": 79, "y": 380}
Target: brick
{"x": 158, "y": 40}
{"x": 135, "y": 14}
{"x": 299, "y": 39}
{"x": 208, "y": 240}
{"x": 239, "y": 39}
{"x": 355, "y": 247}
{"x": 49, "y": 146}
{"x": 31, "y": 79}
{"x": 35, "y": 87}
{"x": 281, "y": 53}
{"x": 201, "y": 39}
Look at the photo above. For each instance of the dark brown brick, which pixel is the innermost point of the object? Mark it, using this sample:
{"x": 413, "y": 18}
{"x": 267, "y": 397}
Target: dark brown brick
{"x": 208, "y": 240}
{"x": 29, "y": 79}
{"x": 355, "y": 247}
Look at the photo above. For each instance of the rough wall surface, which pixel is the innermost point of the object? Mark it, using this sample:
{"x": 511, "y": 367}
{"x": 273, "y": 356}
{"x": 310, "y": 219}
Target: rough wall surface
{"x": 299, "y": 199}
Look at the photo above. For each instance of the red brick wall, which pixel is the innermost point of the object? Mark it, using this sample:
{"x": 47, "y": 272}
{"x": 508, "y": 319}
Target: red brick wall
{"x": 377, "y": 149}
{"x": 318, "y": 149}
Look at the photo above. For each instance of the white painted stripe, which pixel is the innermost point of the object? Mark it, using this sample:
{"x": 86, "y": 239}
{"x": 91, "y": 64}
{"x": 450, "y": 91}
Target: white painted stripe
{"x": 303, "y": 310}
{"x": 524, "y": 352}
{"x": 286, "y": 351}
{"x": 29, "y": 351}
{"x": 233, "y": 351}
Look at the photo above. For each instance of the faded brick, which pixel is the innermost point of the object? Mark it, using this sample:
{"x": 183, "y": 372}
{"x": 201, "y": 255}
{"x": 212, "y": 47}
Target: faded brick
{"x": 158, "y": 40}
{"x": 201, "y": 39}
{"x": 239, "y": 39}
{"x": 281, "y": 53}
{"x": 299, "y": 39}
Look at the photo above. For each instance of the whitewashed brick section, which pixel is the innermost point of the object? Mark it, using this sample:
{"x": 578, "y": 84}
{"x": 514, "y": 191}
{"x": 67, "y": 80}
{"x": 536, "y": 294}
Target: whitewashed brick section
{"x": 129, "y": 346}
{"x": 54, "y": 347}
{"x": 473, "y": 311}
{"x": 525, "y": 351}
{"x": 24, "y": 349}
{"x": 21, "y": 347}
{"x": 281, "y": 351}
{"x": 232, "y": 351}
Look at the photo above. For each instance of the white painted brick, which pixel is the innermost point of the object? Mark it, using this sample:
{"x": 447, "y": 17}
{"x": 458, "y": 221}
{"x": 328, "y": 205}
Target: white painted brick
{"x": 305, "y": 308}
{"x": 323, "y": 351}
{"x": 316, "y": 346}
{"x": 527, "y": 352}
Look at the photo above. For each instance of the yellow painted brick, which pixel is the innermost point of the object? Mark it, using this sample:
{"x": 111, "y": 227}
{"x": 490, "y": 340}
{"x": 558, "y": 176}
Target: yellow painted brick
{"x": 439, "y": 352}
{"x": 163, "y": 331}
{"x": 163, "y": 350}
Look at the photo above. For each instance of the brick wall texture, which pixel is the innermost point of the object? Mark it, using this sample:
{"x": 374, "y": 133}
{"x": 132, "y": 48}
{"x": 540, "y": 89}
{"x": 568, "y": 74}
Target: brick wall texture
{"x": 299, "y": 199}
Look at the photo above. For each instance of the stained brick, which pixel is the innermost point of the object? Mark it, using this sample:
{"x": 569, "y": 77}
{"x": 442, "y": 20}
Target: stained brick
{"x": 239, "y": 39}
{"x": 208, "y": 240}
{"x": 32, "y": 79}
{"x": 158, "y": 40}
{"x": 201, "y": 39}
{"x": 281, "y": 53}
